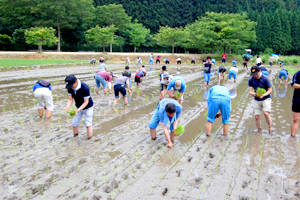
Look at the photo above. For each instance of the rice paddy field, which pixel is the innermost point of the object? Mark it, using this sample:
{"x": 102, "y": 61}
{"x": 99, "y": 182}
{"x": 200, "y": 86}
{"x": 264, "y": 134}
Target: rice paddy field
{"x": 42, "y": 160}
{"x": 29, "y": 62}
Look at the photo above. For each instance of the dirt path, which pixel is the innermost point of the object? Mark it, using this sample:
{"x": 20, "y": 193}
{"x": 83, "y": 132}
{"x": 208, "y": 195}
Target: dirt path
{"x": 41, "y": 160}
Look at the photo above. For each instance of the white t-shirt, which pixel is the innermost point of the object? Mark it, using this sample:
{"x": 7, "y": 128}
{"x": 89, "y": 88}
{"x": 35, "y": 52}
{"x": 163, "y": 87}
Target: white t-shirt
{"x": 178, "y": 59}
{"x": 102, "y": 67}
{"x": 234, "y": 69}
{"x": 258, "y": 60}
{"x": 127, "y": 60}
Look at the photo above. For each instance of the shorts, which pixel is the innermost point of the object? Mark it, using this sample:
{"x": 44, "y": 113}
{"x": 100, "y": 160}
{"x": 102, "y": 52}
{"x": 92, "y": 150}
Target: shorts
{"x": 162, "y": 87}
{"x": 223, "y": 60}
{"x": 266, "y": 73}
{"x": 157, "y": 61}
{"x": 296, "y": 107}
{"x": 120, "y": 88}
{"x": 193, "y": 62}
{"x": 206, "y": 77}
{"x": 151, "y": 61}
{"x": 155, "y": 121}
{"x": 43, "y": 95}
{"x": 245, "y": 64}
{"x": 178, "y": 62}
{"x": 258, "y": 64}
{"x": 234, "y": 63}
{"x": 137, "y": 79}
{"x": 283, "y": 74}
{"x": 99, "y": 79}
{"x": 260, "y": 106}
{"x": 88, "y": 117}
{"x": 271, "y": 63}
{"x": 231, "y": 73}
{"x": 167, "y": 62}
{"x": 219, "y": 103}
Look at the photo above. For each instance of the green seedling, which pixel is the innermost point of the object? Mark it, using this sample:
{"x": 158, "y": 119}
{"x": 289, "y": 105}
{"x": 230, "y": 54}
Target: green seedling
{"x": 260, "y": 91}
{"x": 72, "y": 112}
{"x": 158, "y": 73}
{"x": 177, "y": 95}
{"x": 179, "y": 130}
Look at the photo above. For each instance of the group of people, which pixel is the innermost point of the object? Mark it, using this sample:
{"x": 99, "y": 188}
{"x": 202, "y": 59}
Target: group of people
{"x": 169, "y": 109}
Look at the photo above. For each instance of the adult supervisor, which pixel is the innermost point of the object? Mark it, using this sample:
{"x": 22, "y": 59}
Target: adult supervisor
{"x": 177, "y": 84}
{"x": 218, "y": 98}
{"x": 206, "y": 70}
{"x": 80, "y": 92}
{"x": 101, "y": 78}
{"x": 296, "y": 103}
{"x": 168, "y": 110}
{"x": 261, "y": 103}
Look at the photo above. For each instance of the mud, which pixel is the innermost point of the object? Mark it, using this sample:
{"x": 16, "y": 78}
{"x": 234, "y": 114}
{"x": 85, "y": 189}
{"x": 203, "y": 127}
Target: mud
{"x": 42, "y": 160}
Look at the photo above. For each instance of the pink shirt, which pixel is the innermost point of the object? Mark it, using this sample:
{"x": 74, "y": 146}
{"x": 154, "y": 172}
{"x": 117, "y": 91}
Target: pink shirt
{"x": 105, "y": 75}
{"x": 143, "y": 69}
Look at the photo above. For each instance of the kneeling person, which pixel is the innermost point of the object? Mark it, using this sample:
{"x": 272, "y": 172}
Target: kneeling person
{"x": 167, "y": 110}
{"x": 80, "y": 92}
{"x": 218, "y": 99}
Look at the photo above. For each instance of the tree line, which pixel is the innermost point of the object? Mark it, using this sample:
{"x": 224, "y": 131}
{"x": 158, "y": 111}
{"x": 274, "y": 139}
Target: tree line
{"x": 161, "y": 25}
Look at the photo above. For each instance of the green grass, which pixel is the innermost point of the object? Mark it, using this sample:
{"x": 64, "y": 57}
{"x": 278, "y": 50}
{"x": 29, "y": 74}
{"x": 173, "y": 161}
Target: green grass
{"x": 292, "y": 70}
{"x": 28, "y": 62}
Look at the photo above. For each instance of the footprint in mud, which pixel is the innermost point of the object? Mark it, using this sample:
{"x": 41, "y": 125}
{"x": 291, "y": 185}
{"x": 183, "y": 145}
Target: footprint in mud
{"x": 125, "y": 176}
{"x": 245, "y": 184}
{"x": 189, "y": 158}
{"x": 178, "y": 172}
{"x": 97, "y": 197}
{"x": 107, "y": 189}
{"x": 211, "y": 155}
{"x": 198, "y": 149}
{"x": 244, "y": 198}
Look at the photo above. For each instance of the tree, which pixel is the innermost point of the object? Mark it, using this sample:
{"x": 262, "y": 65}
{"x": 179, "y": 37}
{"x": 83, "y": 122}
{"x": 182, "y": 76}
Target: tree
{"x": 295, "y": 31}
{"x": 41, "y": 36}
{"x": 168, "y": 37}
{"x": 276, "y": 33}
{"x": 137, "y": 34}
{"x": 112, "y": 14}
{"x": 5, "y": 41}
{"x": 99, "y": 36}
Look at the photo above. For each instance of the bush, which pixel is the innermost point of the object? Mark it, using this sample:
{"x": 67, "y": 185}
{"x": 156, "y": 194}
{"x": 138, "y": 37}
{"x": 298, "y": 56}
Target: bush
{"x": 295, "y": 61}
{"x": 5, "y": 42}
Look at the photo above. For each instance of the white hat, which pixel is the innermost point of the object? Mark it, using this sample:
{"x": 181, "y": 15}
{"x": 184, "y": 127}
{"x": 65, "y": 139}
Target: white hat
{"x": 177, "y": 84}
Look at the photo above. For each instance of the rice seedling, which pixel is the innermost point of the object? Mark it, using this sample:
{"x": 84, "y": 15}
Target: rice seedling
{"x": 260, "y": 91}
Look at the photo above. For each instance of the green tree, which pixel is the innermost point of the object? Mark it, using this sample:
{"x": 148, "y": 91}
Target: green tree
{"x": 286, "y": 31}
{"x": 99, "y": 36}
{"x": 137, "y": 34}
{"x": 5, "y": 41}
{"x": 295, "y": 31}
{"x": 169, "y": 37}
{"x": 276, "y": 33}
{"x": 40, "y": 36}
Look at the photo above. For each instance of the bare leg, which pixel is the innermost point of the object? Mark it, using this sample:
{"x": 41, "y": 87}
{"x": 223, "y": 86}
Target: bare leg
{"x": 225, "y": 129}
{"x": 125, "y": 101}
{"x": 153, "y": 133}
{"x": 162, "y": 95}
{"x": 234, "y": 80}
{"x": 208, "y": 128}
{"x": 105, "y": 91}
{"x": 89, "y": 132}
{"x": 41, "y": 112}
{"x": 269, "y": 120}
{"x": 48, "y": 114}
{"x": 279, "y": 80}
{"x": 172, "y": 135}
{"x": 258, "y": 122}
{"x": 116, "y": 101}
{"x": 75, "y": 131}
{"x": 294, "y": 127}
{"x": 97, "y": 90}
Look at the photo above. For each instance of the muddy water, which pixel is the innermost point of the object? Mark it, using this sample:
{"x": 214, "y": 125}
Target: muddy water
{"x": 41, "y": 160}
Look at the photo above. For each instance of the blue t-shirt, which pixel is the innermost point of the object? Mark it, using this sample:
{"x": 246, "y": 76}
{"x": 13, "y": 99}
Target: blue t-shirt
{"x": 163, "y": 116}
{"x": 166, "y": 59}
{"x": 284, "y": 71}
{"x": 82, "y": 93}
{"x": 296, "y": 96}
{"x": 37, "y": 85}
{"x": 172, "y": 84}
{"x": 262, "y": 82}
{"x": 140, "y": 74}
{"x": 263, "y": 69}
{"x": 217, "y": 91}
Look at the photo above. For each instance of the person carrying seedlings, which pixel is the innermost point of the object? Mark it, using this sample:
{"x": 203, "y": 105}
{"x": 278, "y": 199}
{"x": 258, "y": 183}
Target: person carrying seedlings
{"x": 128, "y": 74}
{"x": 43, "y": 93}
{"x": 247, "y": 57}
{"x": 283, "y": 73}
{"x": 260, "y": 88}
{"x": 264, "y": 71}
{"x": 139, "y": 78}
{"x": 101, "y": 78}
{"x": 168, "y": 110}
{"x": 80, "y": 92}
{"x": 102, "y": 66}
{"x": 296, "y": 103}
{"x": 233, "y": 71}
{"x": 119, "y": 87}
{"x": 218, "y": 98}
{"x": 176, "y": 89}
{"x": 221, "y": 73}
{"x": 206, "y": 70}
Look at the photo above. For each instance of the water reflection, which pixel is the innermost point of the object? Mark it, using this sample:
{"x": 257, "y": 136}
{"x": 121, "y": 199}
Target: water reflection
{"x": 282, "y": 90}
{"x": 205, "y": 92}
{"x": 233, "y": 92}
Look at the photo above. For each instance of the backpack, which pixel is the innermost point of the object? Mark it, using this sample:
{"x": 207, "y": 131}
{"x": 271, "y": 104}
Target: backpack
{"x": 44, "y": 83}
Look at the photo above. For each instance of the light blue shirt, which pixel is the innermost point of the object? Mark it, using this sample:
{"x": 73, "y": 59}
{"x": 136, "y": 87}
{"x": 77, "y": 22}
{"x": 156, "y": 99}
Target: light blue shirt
{"x": 102, "y": 67}
{"x": 172, "y": 84}
{"x": 216, "y": 91}
{"x": 163, "y": 116}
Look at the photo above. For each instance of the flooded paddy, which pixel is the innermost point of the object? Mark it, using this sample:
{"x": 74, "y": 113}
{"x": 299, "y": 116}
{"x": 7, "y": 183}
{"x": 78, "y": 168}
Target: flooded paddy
{"x": 42, "y": 160}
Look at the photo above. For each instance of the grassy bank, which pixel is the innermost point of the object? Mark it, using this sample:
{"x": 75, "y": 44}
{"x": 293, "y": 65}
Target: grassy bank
{"x": 28, "y": 62}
